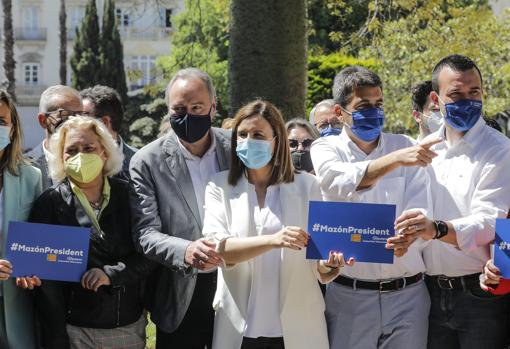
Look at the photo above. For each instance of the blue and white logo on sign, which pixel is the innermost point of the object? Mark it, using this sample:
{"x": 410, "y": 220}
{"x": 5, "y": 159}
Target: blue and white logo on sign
{"x": 52, "y": 252}
{"x": 357, "y": 230}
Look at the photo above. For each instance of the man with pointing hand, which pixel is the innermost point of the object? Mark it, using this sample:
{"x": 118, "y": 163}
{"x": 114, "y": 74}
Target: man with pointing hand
{"x": 374, "y": 305}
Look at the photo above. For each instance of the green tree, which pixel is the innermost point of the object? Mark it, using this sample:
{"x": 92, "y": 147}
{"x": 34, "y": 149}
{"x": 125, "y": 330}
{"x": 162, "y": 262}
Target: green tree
{"x": 148, "y": 106}
{"x": 267, "y": 54}
{"x": 9, "y": 63}
{"x": 331, "y": 23}
{"x": 85, "y": 63}
{"x": 407, "y": 49}
{"x": 201, "y": 40}
{"x": 142, "y": 131}
{"x": 321, "y": 73}
{"x": 111, "y": 52}
{"x": 354, "y": 24}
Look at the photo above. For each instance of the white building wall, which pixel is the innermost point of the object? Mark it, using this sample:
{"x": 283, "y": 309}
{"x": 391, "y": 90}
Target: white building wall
{"x": 144, "y": 39}
{"x": 499, "y": 6}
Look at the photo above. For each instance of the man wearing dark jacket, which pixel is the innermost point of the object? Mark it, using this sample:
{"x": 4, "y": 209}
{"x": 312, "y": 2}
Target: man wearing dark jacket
{"x": 57, "y": 103}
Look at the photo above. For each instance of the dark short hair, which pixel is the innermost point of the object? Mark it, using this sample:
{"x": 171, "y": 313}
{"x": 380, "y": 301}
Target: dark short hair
{"x": 351, "y": 78}
{"x": 106, "y": 101}
{"x": 282, "y": 169}
{"x": 420, "y": 92}
{"x": 457, "y": 63}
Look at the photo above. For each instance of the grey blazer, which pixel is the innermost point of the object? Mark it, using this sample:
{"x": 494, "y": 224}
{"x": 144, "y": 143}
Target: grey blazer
{"x": 165, "y": 220}
{"x": 38, "y": 160}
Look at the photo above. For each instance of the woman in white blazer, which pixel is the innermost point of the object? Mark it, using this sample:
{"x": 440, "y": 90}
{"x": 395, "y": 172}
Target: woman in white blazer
{"x": 267, "y": 295}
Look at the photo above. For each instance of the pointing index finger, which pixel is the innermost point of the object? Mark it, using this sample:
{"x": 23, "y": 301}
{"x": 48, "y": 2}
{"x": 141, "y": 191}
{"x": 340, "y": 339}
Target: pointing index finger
{"x": 430, "y": 142}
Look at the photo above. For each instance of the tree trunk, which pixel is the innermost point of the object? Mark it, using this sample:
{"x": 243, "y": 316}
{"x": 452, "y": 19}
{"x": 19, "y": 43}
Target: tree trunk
{"x": 63, "y": 43}
{"x": 267, "y": 55}
{"x": 9, "y": 62}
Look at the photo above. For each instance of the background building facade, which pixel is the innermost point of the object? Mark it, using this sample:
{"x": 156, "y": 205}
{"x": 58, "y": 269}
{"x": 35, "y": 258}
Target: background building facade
{"x": 144, "y": 25}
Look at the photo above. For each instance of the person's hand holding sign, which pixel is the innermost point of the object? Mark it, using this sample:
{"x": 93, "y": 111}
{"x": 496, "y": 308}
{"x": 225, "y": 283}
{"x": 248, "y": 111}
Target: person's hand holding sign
{"x": 22, "y": 282}
{"x": 5, "y": 269}
{"x": 28, "y": 282}
{"x": 94, "y": 278}
{"x": 490, "y": 276}
{"x": 410, "y": 225}
{"x": 294, "y": 238}
{"x": 336, "y": 260}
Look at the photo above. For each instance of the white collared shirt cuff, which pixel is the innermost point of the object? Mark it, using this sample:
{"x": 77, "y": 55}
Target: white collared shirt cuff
{"x": 466, "y": 231}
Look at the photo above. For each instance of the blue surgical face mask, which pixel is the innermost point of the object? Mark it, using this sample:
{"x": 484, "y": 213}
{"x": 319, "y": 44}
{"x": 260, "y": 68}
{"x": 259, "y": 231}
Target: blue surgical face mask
{"x": 330, "y": 131}
{"x": 463, "y": 115}
{"x": 367, "y": 123}
{"x": 5, "y": 136}
{"x": 254, "y": 153}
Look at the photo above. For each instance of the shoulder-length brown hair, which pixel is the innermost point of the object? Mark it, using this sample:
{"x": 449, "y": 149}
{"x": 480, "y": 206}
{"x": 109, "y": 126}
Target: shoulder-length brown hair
{"x": 13, "y": 154}
{"x": 282, "y": 170}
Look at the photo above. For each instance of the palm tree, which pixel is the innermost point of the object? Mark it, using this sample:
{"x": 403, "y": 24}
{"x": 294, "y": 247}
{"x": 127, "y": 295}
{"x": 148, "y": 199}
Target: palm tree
{"x": 267, "y": 54}
{"x": 63, "y": 43}
{"x": 9, "y": 62}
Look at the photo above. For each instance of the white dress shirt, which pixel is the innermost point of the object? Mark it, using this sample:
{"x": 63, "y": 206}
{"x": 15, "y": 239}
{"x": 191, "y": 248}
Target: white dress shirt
{"x": 263, "y": 316}
{"x": 470, "y": 188}
{"x": 201, "y": 170}
{"x": 340, "y": 166}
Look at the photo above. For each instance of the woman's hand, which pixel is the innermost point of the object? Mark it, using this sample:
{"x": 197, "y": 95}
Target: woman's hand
{"x": 336, "y": 260}
{"x": 94, "y": 278}
{"x": 28, "y": 282}
{"x": 294, "y": 238}
{"x": 490, "y": 276}
{"x": 5, "y": 269}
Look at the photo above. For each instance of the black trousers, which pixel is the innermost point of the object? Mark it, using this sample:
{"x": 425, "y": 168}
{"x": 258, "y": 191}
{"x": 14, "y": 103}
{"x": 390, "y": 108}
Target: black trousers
{"x": 263, "y": 343}
{"x": 196, "y": 329}
{"x": 468, "y": 318}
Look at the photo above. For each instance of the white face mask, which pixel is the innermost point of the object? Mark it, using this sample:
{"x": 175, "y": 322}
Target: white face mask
{"x": 433, "y": 121}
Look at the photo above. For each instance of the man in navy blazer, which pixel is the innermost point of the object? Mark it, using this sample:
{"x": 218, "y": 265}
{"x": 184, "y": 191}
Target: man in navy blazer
{"x": 167, "y": 191}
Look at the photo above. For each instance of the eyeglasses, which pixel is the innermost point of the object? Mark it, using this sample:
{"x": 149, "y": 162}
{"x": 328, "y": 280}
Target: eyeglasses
{"x": 59, "y": 116}
{"x": 294, "y": 143}
{"x": 63, "y": 113}
{"x": 324, "y": 125}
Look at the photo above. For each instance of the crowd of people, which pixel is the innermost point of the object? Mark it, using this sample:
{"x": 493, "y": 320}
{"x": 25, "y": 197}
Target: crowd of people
{"x": 204, "y": 229}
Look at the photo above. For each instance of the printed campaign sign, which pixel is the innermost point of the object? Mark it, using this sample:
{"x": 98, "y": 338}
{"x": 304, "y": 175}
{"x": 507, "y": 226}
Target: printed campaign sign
{"x": 355, "y": 229}
{"x": 502, "y": 247}
{"x": 51, "y": 252}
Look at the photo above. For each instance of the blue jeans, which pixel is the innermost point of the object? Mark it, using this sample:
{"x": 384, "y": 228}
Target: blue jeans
{"x": 468, "y": 318}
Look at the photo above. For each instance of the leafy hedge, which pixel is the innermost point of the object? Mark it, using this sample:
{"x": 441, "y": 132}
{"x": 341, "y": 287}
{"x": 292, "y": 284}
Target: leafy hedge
{"x": 321, "y": 73}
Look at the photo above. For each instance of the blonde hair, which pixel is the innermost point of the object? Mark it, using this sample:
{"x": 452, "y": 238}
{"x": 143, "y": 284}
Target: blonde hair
{"x": 13, "y": 154}
{"x": 114, "y": 158}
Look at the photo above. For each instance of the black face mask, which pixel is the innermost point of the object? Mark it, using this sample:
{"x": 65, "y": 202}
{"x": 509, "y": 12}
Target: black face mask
{"x": 302, "y": 160}
{"x": 189, "y": 127}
